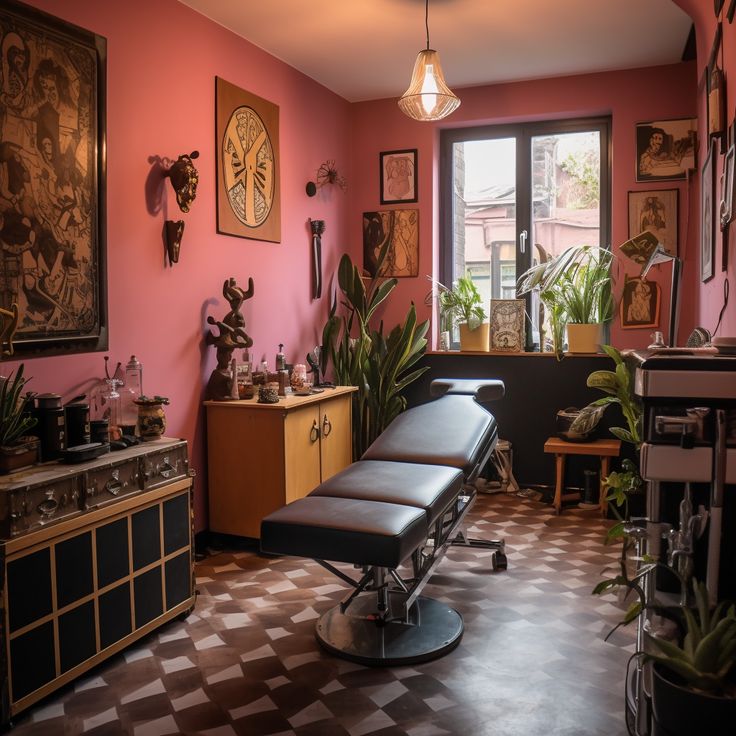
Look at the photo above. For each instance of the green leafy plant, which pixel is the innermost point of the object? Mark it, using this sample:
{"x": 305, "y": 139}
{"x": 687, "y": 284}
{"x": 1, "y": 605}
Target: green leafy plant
{"x": 15, "y": 419}
{"x": 575, "y": 287}
{"x": 361, "y": 355}
{"x": 462, "y": 303}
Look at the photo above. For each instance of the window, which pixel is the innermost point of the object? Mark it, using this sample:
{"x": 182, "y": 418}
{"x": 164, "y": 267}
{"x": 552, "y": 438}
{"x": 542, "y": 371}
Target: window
{"x": 512, "y": 193}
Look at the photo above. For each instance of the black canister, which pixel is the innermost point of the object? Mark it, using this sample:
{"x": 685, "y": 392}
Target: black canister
{"x": 77, "y": 422}
{"x": 50, "y": 428}
{"x": 99, "y": 429}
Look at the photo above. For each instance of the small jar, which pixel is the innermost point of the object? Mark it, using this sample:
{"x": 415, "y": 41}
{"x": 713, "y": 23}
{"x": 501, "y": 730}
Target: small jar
{"x": 151, "y": 418}
{"x": 268, "y": 395}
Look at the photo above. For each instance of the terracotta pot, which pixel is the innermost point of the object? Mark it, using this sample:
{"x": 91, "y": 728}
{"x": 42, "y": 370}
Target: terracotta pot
{"x": 20, "y": 455}
{"x": 584, "y": 338}
{"x": 151, "y": 421}
{"x": 475, "y": 340}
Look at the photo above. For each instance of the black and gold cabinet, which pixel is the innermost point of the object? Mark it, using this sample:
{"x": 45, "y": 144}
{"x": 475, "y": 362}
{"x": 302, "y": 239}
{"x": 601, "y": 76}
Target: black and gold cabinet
{"x": 79, "y": 589}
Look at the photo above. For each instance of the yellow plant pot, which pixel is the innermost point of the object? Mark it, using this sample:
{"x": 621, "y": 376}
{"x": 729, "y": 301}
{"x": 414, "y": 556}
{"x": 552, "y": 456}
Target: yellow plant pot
{"x": 474, "y": 340}
{"x": 584, "y": 338}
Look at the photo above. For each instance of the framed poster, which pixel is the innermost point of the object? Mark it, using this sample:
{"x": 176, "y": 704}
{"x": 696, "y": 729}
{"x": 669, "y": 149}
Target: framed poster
{"x": 507, "y": 325}
{"x": 53, "y": 289}
{"x": 401, "y": 229}
{"x": 707, "y": 224}
{"x": 655, "y": 211}
{"x": 640, "y": 301}
{"x": 247, "y": 153}
{"x": 399, "y": 176}
{"x": 665, "y": 149}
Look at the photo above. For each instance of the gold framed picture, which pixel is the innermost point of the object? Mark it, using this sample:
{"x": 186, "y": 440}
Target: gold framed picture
{"x": 507, "y": 325}
{"x": 247, "y": 153}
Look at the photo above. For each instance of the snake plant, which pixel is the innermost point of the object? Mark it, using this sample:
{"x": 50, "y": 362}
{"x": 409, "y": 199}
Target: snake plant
{"x": 15, "y": 420}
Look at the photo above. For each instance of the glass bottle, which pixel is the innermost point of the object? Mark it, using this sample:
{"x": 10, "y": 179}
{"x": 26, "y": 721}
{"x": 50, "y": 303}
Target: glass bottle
{"x": 129, "y": 392}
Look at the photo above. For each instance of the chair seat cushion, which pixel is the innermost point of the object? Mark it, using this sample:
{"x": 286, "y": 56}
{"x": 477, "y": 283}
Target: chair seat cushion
{"x": 345, "y": 530}
{"x": 429, "y": 487}
{"x": 453, "y": 431}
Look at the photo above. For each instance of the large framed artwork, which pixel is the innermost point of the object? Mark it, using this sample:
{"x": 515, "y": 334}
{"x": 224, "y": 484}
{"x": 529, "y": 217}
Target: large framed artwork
{"x": 52, "y": 185}
{"x": 401, "y": 229}
{"x": 247, "y": 153}
{"x": 665, "y": 149}
{"x": 707, "y": 219}
{"x": 655, "y": 211}
{"x": 399, "y": 176}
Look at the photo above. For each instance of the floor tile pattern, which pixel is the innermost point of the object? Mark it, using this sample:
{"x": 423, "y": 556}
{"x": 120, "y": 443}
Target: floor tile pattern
{"x": 532, "y": 661}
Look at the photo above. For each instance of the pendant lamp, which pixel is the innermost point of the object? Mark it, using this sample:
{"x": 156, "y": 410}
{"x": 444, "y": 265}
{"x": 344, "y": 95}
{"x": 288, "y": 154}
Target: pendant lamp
{"x": 428, "y": 97}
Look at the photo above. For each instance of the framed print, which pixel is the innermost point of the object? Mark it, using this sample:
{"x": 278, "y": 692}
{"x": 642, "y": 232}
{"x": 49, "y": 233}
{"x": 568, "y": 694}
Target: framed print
{"x": 53, "y": 295}
{"x": 401, "y": 229}
{"x": 399, "y": 176}
{"x": 707, "y": 225}
{"x": 640, "y": 301}
{"x": 247, "y": 153}
{"x": 655, "y": 211}
{"x": 507, "y": 325}
{"x": 665, "y": 149}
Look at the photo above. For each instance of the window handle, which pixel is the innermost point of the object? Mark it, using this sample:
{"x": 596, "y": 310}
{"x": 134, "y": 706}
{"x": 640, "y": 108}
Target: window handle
{"x": 523, "y": 235}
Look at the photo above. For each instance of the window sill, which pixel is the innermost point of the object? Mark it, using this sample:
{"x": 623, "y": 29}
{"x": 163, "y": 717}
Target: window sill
{"x": 509, "y": 354}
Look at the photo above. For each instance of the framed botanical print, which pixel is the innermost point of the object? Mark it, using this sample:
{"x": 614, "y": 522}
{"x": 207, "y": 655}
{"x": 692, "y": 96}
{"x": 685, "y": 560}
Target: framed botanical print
{"x": 53, "y": 295}
{"x": 399, "y": 176}
{"x": 401, "y": 229}
{"x": 247, "y": 153}
{"x": 507, "y": 325}
{"x": 655, "y": 211}
{"x": 707, "y": 218}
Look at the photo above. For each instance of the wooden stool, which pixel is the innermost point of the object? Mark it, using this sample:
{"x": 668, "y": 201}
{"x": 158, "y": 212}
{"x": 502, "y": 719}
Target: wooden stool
{"x": 605, "y": 449}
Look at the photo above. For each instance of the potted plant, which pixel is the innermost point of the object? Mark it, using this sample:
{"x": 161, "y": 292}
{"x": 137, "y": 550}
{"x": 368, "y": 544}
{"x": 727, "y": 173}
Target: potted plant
{"x": 463, "y": 305}
{"x": 16, "y": 448}
{"x": 575, "y": 288}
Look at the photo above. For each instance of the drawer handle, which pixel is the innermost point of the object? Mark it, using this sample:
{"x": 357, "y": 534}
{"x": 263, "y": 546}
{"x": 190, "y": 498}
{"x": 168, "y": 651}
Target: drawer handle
{"x": 326, "y": 427}
{"x": 48, "y": 507}
{"x": 166, "y": 468}
{"x": 314, "y": 433}
{"x": 114, "y": 487}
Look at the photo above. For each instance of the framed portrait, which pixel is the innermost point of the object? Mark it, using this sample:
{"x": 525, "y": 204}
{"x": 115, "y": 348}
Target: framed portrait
{"x": 53, "y": 288}
{"x": 707, "y": 217}
{"x": 640, "y": 301}
{"x": 247, "y": 154}
{"x": 400, "y": 228}
{"x": 507, "y": 325}
{"x": 655, "y": 211}
{"x": 399, "y": 176}
{"x": 665, "y": 149}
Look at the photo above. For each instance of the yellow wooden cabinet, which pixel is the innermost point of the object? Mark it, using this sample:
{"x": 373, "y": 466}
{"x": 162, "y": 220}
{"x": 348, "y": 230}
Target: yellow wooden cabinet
{"x": 262, "y": 456}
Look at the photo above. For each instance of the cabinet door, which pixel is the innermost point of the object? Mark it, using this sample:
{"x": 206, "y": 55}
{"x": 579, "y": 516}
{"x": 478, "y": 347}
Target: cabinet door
{"x": 336, "y": 429}
{"x": 301, "y": 443}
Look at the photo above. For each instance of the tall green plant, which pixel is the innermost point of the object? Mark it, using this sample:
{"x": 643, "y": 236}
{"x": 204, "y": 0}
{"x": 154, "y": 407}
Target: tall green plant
{"x": 361, "y": 355}
{"x": 15, "y": 420}
{"x": 462, "y": 303}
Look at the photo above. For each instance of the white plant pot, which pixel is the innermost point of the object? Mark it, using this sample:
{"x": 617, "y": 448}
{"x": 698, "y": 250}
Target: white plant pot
{"x": 445, "y": 342}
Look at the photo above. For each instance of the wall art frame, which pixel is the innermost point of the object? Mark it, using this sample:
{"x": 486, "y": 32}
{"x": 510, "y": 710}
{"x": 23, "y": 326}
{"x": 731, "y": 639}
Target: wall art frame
{"x": 656, "y": 211}
{"x": 640, "y": 303}
{"x": 665, "y": 149}
{"x": 53, "y": 218}
{"x": 247, "y": 164}
{"x": 707, "y": 215}
{"x": 399, "y": 176}
{"x": 401, "y": 228}
{"x": 507, "y": 323}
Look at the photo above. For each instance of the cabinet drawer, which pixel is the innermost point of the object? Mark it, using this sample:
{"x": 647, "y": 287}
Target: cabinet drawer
{"x": 163, "y": 467}
{"x": 106, "y": 484}
{"x": 673, "y": 463}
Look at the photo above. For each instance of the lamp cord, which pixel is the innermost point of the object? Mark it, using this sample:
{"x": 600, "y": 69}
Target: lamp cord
{"x": 726, "y": 288}
{"x": 426, "y": 20}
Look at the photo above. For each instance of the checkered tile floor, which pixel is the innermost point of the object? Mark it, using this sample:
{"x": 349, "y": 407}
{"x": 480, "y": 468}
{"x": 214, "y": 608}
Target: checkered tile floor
{"x": 532, "y": 661}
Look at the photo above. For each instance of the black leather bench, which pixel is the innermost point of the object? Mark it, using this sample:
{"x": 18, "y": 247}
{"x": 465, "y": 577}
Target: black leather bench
{"x": 393, "y": 514}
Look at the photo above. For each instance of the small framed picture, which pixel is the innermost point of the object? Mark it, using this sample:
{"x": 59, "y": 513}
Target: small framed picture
{"x": 707, "y": 224}
{"x": 507, "y": 325}
{"x": 665, "y": 149}
{"x": 640, "y": 303}
{"x": 399, "y": 176}
{"x": 655, "y": 211}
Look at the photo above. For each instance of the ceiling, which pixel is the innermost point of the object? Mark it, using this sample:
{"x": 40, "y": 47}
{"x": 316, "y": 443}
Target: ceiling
{"x": 365, "y": 49}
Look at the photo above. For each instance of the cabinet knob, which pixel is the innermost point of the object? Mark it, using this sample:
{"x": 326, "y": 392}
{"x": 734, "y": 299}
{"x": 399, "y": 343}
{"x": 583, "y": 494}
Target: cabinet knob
{"x": 326, "y": 426}
{"x": 314, "y": 433}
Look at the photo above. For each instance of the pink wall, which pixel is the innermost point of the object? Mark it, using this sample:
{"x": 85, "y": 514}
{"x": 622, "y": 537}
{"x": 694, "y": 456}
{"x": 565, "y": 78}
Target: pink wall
{"x": 709, "y": 296}
{"x": 162, "y": 61}
{"x": 628, "y": 96}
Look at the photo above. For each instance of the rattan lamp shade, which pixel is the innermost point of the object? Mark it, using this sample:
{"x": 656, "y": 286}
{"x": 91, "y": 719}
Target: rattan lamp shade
{"x": 428, "y": 97}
